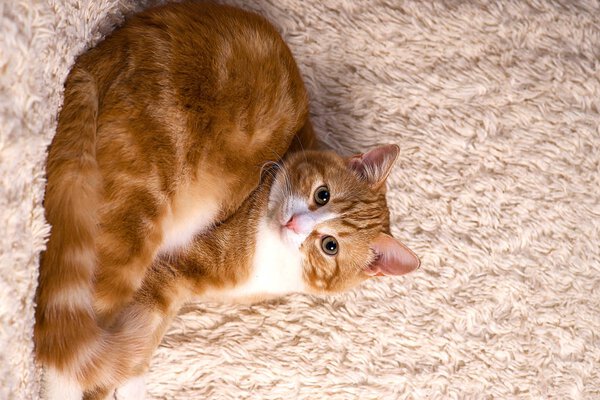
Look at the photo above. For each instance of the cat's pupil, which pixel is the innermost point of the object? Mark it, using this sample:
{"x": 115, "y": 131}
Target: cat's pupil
{"x": 322, "y": 195}
{"x": 329, "y": 245}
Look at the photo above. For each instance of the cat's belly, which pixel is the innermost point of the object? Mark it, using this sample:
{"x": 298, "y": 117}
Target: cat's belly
{"x": 201, "y": 203}
{"x": 179, "y": 231}
{"x": 193, "y": 209}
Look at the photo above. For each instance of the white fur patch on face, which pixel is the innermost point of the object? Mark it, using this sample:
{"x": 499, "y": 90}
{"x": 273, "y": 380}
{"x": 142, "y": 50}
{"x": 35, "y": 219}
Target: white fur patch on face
{"x": 305, "y": 220}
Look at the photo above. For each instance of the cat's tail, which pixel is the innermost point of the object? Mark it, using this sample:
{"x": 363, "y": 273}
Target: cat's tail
{"x": 65, "y": 322}
{"x": 118, "y": 354}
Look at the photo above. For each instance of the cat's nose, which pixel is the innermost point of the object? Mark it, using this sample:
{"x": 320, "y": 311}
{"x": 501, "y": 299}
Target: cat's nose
{"x": 293, "y": 224}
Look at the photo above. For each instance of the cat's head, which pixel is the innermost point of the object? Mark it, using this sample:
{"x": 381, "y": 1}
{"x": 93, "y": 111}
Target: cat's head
{"x": 332, "y": 212}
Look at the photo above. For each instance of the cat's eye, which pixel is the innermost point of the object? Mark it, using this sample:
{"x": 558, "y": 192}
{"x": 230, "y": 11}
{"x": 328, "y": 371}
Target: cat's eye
{"x": 322, "y": 195}
{"x": 329, "y": 245}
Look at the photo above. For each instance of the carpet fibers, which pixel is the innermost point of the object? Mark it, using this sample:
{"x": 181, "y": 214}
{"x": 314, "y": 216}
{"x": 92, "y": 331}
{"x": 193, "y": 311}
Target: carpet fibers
{"x": 496, "y": 107}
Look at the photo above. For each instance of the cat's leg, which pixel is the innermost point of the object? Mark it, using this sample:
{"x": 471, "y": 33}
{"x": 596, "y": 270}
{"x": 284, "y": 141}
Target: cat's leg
{"x": 58, "y": 386}
{"x": 138, "y": 330}
{"x": 130, "y": 237}
{"x": 133, "y": 389}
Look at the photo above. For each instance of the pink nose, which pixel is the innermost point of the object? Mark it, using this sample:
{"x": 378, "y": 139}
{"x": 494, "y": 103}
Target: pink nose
{"x": 293, "y": 224}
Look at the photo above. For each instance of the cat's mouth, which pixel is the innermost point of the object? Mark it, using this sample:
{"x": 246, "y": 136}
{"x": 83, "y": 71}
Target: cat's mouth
{"x": 286, "y": 230}
{"x": 291, "y": 232}
{"x": 292, "y": 224}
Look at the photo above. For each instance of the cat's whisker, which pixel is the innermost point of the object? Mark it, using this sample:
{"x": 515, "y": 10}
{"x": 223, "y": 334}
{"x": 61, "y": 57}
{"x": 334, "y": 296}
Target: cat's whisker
{"x": 278, "y": 156}
{"x": 303, "y": 150}
{"x": 287, "y": 181}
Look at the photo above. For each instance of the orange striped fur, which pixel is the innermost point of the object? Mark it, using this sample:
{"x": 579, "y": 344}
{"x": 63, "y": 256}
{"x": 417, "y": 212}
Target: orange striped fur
{"x": 155, "y": 193}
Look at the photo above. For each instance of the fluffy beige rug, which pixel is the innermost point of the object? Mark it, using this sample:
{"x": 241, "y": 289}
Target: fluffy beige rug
{"x": 496, "y": 106}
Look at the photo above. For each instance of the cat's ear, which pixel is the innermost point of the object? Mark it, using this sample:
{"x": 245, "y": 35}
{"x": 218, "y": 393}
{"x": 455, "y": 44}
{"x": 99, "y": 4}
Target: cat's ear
{"x": 392, "y": 257}
{"x": 375, "y": 165}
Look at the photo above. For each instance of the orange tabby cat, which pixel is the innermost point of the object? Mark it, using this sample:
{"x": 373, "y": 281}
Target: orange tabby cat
{"x": 317, "y": 224}
{"x": 164, "y": 130}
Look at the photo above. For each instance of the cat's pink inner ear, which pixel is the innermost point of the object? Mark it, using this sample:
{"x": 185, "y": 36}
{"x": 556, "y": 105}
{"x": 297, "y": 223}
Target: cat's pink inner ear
{"x": 392, "y": 257}
{"x": 375, "y": 165}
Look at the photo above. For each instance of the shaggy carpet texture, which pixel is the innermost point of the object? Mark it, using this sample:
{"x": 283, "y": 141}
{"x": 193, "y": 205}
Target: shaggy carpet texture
{"x": 496, "y": 107}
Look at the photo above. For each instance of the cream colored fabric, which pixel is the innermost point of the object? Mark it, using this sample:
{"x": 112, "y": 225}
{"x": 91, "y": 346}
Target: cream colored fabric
{"x": 496, "y": 107}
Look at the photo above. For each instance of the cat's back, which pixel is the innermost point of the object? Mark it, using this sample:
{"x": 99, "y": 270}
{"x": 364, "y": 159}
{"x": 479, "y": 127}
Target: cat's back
{"x": 206, "y": 62}
{"x": 199, "y": 88}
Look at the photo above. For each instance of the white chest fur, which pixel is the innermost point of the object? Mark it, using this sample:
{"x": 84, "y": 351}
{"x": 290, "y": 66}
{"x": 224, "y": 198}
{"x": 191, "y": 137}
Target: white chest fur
{"x": 276, "y": 270}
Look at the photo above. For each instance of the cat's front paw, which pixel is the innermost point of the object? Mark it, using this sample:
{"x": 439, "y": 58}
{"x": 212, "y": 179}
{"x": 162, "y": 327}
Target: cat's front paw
{"x": 133, "y": 389}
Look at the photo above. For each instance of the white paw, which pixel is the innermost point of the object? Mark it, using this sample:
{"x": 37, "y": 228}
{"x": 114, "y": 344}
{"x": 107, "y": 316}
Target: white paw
{"x": 58, "y": 386}
{"x": 133, "y": 389}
